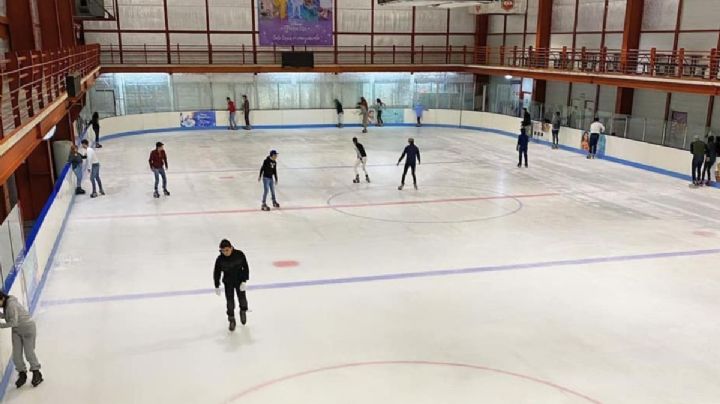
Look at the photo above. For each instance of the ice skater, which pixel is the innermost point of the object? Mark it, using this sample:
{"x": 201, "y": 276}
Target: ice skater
{"x": 698, "y": 148}
{"x": 556, "y": 121}
{"x": 340, "y": 113}
{"x": 364, "y": 113}
{"x": 95, "y": 123}
{"x": 522, "y": 147}
{"x": 596, "y": 128}
{"x": 413, "y": 155}
{"x": 232, "y": 111}
{"x": 246, "y": 112}
{"x": 527, "y": 122}
{"x": 268, "y": 172}
{"x": 233, "y": 267}
{"x": 24, "y": 334}
{"x": 379, "y": 108}
{"x": 361, "y": 160}
{"x": 711, "y": 153}
{"x": 92, "y": 164}
{"x": 158, "y": 165}
{"x": 419, "y": 110}
{"x": 76, "y": 163}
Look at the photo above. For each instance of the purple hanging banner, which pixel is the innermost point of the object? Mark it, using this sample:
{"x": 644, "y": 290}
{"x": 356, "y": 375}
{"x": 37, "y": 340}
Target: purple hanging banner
{"x": 295, "y": 22}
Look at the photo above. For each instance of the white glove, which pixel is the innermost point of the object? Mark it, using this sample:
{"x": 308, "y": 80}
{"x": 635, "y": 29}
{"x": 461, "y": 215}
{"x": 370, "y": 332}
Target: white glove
{"x": 242, "y": 287}
{"x": 217, "y": 291}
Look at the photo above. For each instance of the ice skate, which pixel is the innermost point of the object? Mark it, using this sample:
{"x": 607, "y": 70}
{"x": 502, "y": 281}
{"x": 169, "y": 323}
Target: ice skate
{"x": 79, "y": 191}
{"x": 367, "y": 178}
{"x": 232, "y": 325}
{"x": 519, "y": 165}
{"x": 21, "y": 380}
{"x": 98, "y": 146}
{"x": 588, "y": 157}
{"x": 364, "y": 131}
{"x": 265, "y": 207}
{"x": 276, "y": 205}
{"x": 102, "y": 192}
{"x": 243, "y": 317}
{"x": 400, "y": 188}
{"x": 415, "y": 185}
{"x": 93, "y": 195}
{"x": 37, "y": 378}
{"x": 356, "y": 180}
{"x": 156, "y": 194}
{"x": 166, "y": 192}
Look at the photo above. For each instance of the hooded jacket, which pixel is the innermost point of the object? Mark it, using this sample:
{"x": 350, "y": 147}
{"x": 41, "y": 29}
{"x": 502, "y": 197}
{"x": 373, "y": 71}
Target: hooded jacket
{"x": 15, "y": 315}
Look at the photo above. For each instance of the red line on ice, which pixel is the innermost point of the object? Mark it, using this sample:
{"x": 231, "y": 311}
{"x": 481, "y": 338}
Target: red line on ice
{"x": 319, "y": 207}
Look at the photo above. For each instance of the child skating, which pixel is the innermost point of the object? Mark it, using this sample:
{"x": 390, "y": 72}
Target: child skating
{"x": 522, "y": 147}
{"x": 361, "y": 160}
{"x": 413, "y": 155}
{"x": 268, "y": 173}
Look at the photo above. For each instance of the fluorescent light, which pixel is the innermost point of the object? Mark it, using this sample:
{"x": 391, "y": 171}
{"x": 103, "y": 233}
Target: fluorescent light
{"x": 508, "y": 76}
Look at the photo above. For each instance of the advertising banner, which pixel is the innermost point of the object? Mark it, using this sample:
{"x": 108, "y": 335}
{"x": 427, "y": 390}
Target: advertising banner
{"x": 198, "y": 119}
{"x": 295, "y": 22}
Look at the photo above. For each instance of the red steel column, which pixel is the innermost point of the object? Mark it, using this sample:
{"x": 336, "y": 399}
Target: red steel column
{"x": 542, "y": 41}
{"x": 631, "y": 41}
{"x": 20, "y": 22}
{"x": 34, "y": 180}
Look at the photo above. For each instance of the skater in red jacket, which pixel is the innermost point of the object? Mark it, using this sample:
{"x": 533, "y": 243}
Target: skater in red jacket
{"x": 158, "y": 165}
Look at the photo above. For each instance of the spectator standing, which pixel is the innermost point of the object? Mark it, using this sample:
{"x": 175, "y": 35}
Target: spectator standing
{"x": 93, "y": 167}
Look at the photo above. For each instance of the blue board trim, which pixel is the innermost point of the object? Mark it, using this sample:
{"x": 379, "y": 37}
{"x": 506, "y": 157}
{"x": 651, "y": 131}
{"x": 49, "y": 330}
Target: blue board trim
{"x": 629, "y": 163}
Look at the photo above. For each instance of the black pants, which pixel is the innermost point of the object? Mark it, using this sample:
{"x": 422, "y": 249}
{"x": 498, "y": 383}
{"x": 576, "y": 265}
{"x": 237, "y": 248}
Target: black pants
{"x": 409, "y": 165}
{"x": 96, "y": 129}
{"x": 247, "y": 118}
{"x": 697, "y": 164}
{"x": 594, "y": 138}
{"x": 379, "y": 118}
{"x": 555, "y": 134}
{"x": 707, "y": 169}
{"x": 522, "y": 153}
{"x": 230, "y": 292}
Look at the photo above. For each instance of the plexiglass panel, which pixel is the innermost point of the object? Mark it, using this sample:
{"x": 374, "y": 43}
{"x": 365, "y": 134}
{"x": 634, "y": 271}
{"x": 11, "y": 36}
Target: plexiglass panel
{"x": 660, "y": 14}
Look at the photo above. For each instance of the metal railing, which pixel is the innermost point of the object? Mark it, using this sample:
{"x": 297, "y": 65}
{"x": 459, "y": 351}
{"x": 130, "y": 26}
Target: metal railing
{"x": 31, "y": 81}
{"x": 652, "y": 62}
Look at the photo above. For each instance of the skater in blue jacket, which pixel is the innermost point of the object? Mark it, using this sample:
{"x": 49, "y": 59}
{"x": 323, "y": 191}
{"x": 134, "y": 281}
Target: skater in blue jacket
{"x": 522, "y": 147}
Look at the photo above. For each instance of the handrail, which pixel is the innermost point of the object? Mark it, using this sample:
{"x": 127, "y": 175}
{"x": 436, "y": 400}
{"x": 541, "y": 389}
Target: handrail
{"x": 30, "y": 81}
{"x": 651, "y": 62}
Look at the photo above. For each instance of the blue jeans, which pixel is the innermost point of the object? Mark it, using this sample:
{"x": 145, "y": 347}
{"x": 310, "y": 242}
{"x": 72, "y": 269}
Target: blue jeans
{"x": 268, "y": 185}
{"x": 160, "y": 172}
{"x": 78, "y": 174}
{"x": 233, "y": 124}
{"x": 95, "y": 177}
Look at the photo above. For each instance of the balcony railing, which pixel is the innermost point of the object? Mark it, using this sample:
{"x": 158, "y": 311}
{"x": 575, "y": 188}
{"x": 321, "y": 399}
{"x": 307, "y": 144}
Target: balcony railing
{"x": 31, "y": 81}
{"x": 679, "y": 64}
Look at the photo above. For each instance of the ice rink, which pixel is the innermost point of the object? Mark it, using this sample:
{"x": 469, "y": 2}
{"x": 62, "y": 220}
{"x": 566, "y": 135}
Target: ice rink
{"x": 573, "y": 281}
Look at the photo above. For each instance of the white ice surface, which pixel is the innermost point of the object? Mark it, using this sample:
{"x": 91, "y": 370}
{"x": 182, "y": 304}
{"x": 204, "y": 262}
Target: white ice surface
{"x": 635, "y": 328}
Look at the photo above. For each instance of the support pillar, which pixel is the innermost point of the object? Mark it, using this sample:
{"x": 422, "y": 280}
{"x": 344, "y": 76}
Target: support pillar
{"x": 20, "y": 24}
{"x": 34, "y": 179}
{"x": 542, "y": 42}
{"x": 631, "y": 41}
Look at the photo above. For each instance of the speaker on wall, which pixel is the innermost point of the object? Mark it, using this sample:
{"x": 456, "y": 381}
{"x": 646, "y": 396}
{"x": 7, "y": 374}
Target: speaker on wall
{"x": 298, "y": 59}
{"x": 73, "y": 85}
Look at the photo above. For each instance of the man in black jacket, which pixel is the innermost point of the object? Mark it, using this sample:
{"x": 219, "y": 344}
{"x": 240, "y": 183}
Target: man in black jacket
{"x": 233, "y": 266}
{"x": 413, "y": 155}
{"x": 268, "y": 171}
